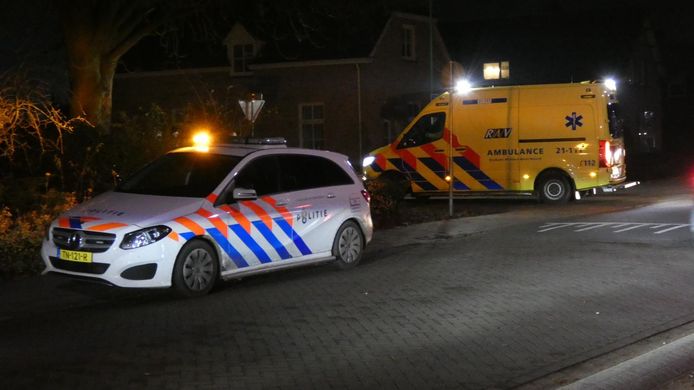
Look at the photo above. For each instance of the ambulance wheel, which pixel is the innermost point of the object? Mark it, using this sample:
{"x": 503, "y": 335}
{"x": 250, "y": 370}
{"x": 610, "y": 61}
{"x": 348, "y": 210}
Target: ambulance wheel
{"x": 196, "y": 269}
{"x": 348, "y": 246}
{"x": 554, "y": 188}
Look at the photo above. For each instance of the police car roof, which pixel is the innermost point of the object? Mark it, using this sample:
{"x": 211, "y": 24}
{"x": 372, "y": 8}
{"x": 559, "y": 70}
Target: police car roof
{"x": 238, "y": 146}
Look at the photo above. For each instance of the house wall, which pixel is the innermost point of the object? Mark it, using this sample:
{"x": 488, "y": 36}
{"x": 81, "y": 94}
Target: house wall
{"x": 169, "y": 89}
{"x": 285, "y": 89}
{"x": 395, "y": 88}
{"x": 389, "y": 87}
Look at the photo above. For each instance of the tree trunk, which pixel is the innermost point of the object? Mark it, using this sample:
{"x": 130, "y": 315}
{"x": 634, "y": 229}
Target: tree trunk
{"x": 91, "y": 79}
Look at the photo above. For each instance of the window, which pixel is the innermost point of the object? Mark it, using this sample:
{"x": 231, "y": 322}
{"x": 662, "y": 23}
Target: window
{"x": 408, "y": 52}
{"x": 261, "y": 175}
{"x": 242, "y": 57}
{"x": 497, "y": 70}
{"x": 181, "y": 174}
{"x": 312, "y": 122}
{"x": 302, "y": 172}
{"x": 428, "y": 128}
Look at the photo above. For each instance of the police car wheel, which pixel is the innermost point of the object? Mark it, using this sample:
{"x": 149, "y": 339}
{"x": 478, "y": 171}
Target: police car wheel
{"x": 349, "y": 245}
{"x": 554, "y": 188}
{"x": 196, "y": 270}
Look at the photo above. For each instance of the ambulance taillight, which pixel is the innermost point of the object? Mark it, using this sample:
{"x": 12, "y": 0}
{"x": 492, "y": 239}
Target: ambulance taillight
{"x": 605, "y": 154}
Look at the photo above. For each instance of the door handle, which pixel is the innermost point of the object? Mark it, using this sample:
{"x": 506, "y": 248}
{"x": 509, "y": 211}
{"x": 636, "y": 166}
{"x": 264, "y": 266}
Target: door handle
{"x": 439, "y": 151}
{"x": 330, "y": 196}
{"x": 280, "y": 204}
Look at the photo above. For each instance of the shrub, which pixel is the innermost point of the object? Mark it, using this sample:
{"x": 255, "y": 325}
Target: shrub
{"x": 21, "y": 235}
{"x": 384, "y": 202}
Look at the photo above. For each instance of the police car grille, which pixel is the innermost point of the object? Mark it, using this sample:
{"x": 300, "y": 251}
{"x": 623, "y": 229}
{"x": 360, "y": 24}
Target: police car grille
{"x": 95, "y": 242}
{"x": 87, "y": 268}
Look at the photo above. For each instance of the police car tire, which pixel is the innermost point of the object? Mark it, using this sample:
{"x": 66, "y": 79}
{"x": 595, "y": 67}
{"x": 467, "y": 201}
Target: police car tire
{"x": 348, "y": 245}
{"x": 196, "y": 270}
{"x": 554, "y": 188}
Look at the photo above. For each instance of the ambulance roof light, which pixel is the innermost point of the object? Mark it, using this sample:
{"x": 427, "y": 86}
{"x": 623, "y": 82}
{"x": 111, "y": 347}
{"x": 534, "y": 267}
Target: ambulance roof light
{"x": 463, "y": 86}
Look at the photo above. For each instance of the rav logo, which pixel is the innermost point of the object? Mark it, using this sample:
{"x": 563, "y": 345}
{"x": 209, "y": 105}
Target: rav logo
{"x": 498, "y": 133}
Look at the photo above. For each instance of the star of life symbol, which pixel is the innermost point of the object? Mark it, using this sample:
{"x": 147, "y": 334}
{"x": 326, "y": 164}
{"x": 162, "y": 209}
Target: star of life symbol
{"x": 574, "y": 120}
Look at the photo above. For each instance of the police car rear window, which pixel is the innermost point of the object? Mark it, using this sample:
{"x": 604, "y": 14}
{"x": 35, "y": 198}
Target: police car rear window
{"x": 193, "y": 175}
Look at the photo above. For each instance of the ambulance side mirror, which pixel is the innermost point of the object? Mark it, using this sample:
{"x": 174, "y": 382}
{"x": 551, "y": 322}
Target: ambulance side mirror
{"x": 244, "y": 194}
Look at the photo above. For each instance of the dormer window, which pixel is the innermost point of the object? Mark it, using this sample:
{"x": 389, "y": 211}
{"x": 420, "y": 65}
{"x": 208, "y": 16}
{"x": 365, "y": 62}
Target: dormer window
{"x": 242, "y": 56}
{"x": 242, "y": 50}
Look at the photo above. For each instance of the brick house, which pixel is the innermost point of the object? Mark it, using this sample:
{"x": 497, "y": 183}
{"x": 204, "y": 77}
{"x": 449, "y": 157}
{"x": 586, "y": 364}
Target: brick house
{"x": 347, "y": 102}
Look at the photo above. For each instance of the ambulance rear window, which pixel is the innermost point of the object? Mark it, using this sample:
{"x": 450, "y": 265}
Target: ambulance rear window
{"x": 193, "y": 175}
{"x": 616, "y": 121}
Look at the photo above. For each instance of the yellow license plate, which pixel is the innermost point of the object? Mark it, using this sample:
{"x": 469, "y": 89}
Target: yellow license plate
{"x": 80, "y": 257}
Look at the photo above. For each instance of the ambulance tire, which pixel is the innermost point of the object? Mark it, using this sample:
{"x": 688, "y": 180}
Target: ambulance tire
{"x": 554, "y": 188}
{"x": 348, "y": 246}
{"x": 196, "y": 270}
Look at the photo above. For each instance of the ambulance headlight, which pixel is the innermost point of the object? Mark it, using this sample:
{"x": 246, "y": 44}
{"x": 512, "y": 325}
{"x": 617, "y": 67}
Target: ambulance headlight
{"x": 144, "y": 237}
{"x": 368, "y": 160}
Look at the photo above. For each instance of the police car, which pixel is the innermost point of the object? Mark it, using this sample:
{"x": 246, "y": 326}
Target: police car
{"x": 203, "y": 213}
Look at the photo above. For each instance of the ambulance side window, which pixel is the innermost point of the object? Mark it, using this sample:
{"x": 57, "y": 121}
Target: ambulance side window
{"x": 428, "y": 128}
{"x": 261, "y": 175}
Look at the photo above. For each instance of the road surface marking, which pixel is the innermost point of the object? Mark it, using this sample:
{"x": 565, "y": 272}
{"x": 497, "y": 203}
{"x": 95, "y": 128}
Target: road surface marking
{"x": 672, "y": 228}
{"x": 631, "y": 227}
{"x": 616, "y": 227}
{"x": 594, "y": 226}
{"x": 558, "y": 226}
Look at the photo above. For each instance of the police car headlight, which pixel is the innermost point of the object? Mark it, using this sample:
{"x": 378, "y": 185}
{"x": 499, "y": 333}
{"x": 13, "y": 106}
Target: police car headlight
{"x": 368, "y": 160}
{"x": 144, "y": 237}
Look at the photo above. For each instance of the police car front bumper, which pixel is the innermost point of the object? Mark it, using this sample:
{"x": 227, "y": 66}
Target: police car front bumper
{"x": 150, "y": 266}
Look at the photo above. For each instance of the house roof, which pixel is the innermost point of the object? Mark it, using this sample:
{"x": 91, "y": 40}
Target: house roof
{"x": 332, "y": 41}
{"x": 335, "y": 42}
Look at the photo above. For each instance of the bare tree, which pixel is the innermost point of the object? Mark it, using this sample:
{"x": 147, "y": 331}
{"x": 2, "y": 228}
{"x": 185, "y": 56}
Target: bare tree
{"x": 97, "y": 34}
{"x": 28, "y": 117}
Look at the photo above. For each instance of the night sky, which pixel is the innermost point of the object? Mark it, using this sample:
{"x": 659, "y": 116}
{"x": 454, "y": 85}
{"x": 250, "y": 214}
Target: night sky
{"x": 30, "y": 37}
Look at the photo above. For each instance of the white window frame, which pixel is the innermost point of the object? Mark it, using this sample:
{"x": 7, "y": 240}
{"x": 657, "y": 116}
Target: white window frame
{"x": 245, "y": 59}
{"x": 312, "y": 121}
{"x": 407, "y": 49}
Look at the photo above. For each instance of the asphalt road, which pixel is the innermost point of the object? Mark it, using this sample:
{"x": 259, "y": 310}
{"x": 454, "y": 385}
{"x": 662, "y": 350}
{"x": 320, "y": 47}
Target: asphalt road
{"x": 536, "y": 298}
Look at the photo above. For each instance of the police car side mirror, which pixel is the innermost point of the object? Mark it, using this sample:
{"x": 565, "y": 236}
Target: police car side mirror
{"x": 244, "y": 194}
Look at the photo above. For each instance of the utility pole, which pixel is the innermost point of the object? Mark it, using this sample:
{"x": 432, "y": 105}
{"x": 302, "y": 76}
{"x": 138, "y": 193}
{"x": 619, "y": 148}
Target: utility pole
{"x": 451, "y": 102}
{"x": 431, "y": 52}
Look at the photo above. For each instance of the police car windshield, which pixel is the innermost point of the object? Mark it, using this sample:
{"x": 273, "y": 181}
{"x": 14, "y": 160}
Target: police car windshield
{"x": 193, "y": 175}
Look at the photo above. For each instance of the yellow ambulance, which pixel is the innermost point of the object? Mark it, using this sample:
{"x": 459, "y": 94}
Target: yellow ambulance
{"x": 556, "y": 141}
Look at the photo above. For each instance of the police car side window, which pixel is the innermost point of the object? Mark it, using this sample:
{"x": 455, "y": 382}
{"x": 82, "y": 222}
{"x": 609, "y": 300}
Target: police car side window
{"x": 427, "y": 129}
{"x": 302, "y": 172}
{"x": 261, "y": 174}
